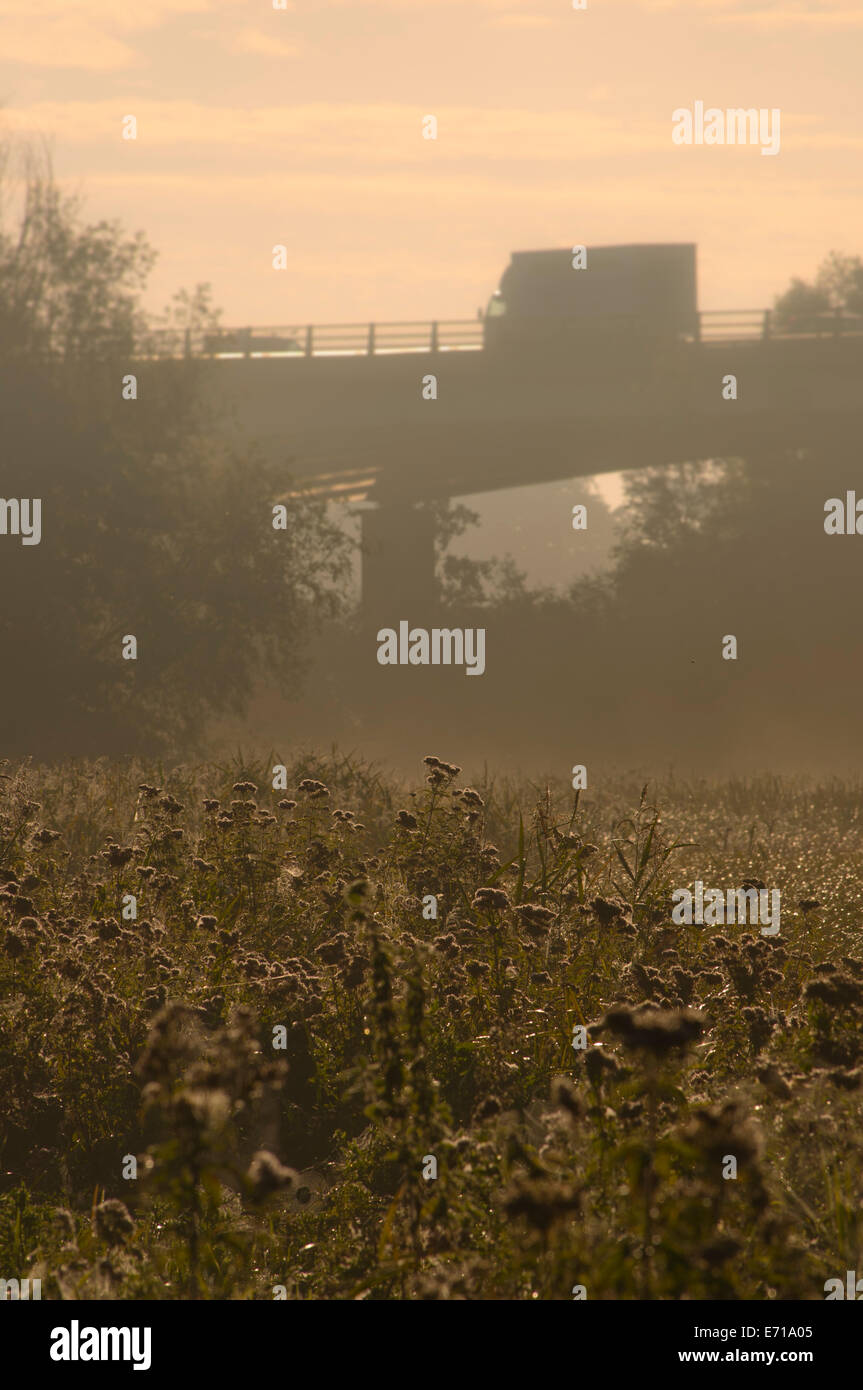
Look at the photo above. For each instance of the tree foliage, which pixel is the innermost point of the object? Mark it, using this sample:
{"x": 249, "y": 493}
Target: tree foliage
{"x": 150, "y": 526}
{"x": 838, "y": 285}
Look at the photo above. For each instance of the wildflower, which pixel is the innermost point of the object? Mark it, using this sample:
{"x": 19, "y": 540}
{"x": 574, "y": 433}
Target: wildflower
{"x": 245, "y": 789}
{"x": 536, "y": 919}
{"x": 447, "y": 770}
{"x": 652, "y": 1030}
{"x": 837, "y": 989}
{"x": 684, "y": 982}
{"x": 446, "y": 945}
{"x": 154, "y": 999}
{"x": 599, "y": 1066}
{"x": 334, "y": 952}
{"x": 319, "y": 854}
{"x": 543, "y": 1202}
{"x": 771, "y": 1077}
{"x": 489, "y": 858}
{"x": 565, "y": 1096}
{"x": 357, "y": 892}
{"x": 313, "y": 789}
{"x": 490, "y": 900}
{"x": 46, "y": 837}
{"x": 848, "y": 1080}
{"x": 287, "y": 805}
{"x": 117, "y": 858}
{"x": 14, "y": 945}
{"x": 720, "y": 1130}
{"x": 112, "y": 1222}
{"x": 203, "y": 1110}
{"x": 611, "y": 911}
{"x": 355, "y": 973}
{"x": 64, "y": 1222}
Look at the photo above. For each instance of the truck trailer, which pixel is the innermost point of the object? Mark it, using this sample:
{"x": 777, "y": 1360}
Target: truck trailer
{"x": 641, "y": 293}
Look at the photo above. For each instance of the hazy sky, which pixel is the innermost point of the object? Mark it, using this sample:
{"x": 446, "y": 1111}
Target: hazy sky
{"x": 303, "y": 126}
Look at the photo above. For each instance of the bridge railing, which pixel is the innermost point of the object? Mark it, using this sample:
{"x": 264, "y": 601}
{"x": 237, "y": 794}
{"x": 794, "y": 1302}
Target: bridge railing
{"x": 450, "y": 335}
{"x": 737, "y": 325}
{"x": 316, "y": 340}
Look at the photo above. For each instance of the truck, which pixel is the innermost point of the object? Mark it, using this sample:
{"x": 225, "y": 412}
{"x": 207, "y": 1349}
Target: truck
{"x": 644, "y": 294}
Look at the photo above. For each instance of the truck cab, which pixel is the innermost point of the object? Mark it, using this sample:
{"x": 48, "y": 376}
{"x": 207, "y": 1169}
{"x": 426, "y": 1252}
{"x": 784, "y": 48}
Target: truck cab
{"x": 644, "y": 293}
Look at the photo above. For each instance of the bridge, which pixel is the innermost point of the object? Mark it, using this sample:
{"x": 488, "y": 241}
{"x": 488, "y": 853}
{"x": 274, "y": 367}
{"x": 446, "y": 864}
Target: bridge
{"x": 398, "y": 414}
{"x": 447, "y": 335}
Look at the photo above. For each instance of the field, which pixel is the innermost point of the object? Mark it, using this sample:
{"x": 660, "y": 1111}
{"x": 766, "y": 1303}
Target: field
{"x": 242, "y": 1058}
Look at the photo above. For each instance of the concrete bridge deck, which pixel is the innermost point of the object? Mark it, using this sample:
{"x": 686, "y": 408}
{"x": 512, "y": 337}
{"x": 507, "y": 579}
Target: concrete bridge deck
{"x": 359, "y": 427}
{"x": 352, "y": 422}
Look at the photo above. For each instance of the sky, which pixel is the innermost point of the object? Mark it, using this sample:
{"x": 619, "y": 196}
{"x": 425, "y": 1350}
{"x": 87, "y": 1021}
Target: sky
{"x": 303, "y": 126}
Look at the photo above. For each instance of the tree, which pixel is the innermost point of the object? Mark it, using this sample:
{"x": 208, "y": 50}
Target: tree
{"x": 838, "y": 285}
{"x": 798, "y": 304}
{"x": 149, "y": 528}
{"x": 68, "y": 290}
{"x": 841, "y": 278}
{"x": 188, "y": 316}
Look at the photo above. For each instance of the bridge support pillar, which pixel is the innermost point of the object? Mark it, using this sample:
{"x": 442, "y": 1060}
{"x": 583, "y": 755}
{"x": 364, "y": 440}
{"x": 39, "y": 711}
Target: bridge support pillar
{"x": 398, "y": 562}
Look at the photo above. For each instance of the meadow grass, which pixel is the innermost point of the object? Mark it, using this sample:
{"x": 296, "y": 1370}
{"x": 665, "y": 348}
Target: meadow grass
{"x": 283, "y": 1037}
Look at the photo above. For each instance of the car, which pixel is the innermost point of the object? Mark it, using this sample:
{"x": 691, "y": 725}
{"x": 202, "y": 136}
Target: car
{"x": 245, "y": 340}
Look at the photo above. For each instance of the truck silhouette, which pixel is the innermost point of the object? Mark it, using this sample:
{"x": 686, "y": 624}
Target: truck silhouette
{"x": 642, "y": 293}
